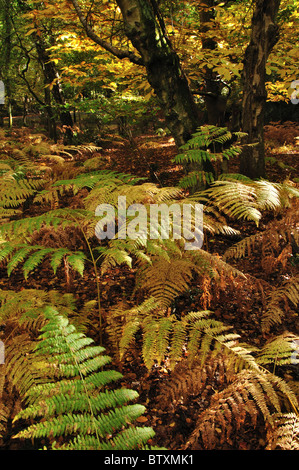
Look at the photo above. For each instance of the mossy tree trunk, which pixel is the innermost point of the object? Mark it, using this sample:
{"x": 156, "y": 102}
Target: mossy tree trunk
{"x": 264, "y": 35}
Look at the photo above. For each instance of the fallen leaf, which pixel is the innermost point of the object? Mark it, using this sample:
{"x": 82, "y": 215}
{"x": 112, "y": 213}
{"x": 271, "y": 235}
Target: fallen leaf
{"x": 141, "y": 419}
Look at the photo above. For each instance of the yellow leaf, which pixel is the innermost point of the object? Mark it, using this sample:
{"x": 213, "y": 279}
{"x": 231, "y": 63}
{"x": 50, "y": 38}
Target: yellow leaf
{"x": 33, "y": 30}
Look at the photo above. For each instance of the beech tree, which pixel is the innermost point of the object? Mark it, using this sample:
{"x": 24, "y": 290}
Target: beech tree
{"x": 264, "y": 36}
{"x": 189, "y": 53}
{"x": 5, "y": 60}
{"x": 145, "y": 28}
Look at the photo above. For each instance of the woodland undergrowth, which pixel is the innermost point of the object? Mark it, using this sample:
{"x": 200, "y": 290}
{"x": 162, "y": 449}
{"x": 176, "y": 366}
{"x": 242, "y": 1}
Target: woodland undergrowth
{"x": 184, "y": 316}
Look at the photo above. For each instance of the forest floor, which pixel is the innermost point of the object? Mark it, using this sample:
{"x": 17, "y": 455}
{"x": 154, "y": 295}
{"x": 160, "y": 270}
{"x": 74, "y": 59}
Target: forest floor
{"x": 151, "y": 156}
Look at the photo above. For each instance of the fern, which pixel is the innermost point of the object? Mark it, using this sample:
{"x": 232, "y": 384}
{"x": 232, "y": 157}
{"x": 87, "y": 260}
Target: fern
{"x": 165, "y": 338}
{"x": 23, "y": 312}
{"x": 247, "y": 200}
{"x": 280, "y": 351}
{"x": 279, "y": 302}
{"x": 206, "y": 145}
{"x": 13, "y": 193}
{"x": 58, "y": 218}
{"x": 96, "y": 178}
{"x": 250, "y": 394}
{"x": 285, "y": 434}
{"x": 32, "y": 256}
{"x": 76, "y": 404}
{"x": 226, "y": 397}
{"x": 146, "y": 193}
{"x": 274, "y": 245}
{"x": 28, "y": 304}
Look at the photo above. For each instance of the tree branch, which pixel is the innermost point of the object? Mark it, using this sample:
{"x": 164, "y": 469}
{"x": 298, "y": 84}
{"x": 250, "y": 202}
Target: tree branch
{"x": 120, "y": 53}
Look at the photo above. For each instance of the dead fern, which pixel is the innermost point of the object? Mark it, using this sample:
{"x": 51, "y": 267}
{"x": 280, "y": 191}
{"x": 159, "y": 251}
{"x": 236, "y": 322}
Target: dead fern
{"x": 285, "y": 434}
{"x": 250, "y": 394}
{"x": 227, "y": 400}
{"x": 280, "y": 302}
{"x": 277, "y": 243}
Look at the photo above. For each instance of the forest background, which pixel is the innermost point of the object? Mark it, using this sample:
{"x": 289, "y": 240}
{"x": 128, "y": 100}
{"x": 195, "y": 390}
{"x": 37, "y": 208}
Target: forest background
{"x": 160, "y": 101}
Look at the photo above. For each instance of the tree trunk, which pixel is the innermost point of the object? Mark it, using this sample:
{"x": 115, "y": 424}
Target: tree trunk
{"x": 214, "y": 101}
{"x": 51, "y": 122}
{"x": 264, "y": 35}
{"x": 52, "y": 78}
{"x": 7, "y": 58}
{"x": 145, "y": 29}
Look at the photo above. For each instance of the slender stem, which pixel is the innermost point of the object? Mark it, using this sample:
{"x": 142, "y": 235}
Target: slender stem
{"x": 94, "y": 263}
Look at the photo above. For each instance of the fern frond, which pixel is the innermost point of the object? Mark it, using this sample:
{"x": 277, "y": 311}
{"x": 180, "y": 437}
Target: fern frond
{"x": 135, "y": 193}
{"x": 101, "y": 178}
{"x": 274, "y": 246}
{"x": 27, "y": 306}
{"x": 206, "y": 145}
{"x": 57, "y": 218}
{"x": 18, "y": 254}
{"x": 14, "y": 192}
{"x": 250, "y": 394}
{"x": 242, "y": 199}
{"x": 166, "y": 280}
{"x": 195, "y": 178}
{"x": 233, "y": 198}
{"x": 124, "y": 323}
{"x": 87, "y": 411}
{"x": 283, "y": 349}
{"x": 279, "y": 301}
{"x": 285, "y": 434}
{"x": 23, "y": 373}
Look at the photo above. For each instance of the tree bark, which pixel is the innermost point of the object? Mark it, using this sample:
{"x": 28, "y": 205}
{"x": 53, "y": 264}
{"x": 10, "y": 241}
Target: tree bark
{"x": 7, "y": 43}
{"x": 145, "y": 29}
{"x": 264, "y": 35}
{"x": 214, "y": 101}
{"x": 52, "y": 78}
{"x": 146, "y": 32}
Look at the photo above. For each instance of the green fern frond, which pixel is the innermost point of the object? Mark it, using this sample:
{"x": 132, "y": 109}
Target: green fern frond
{"x": 17, "y": 254}
{"x": 101, "y": 178}
{"x": 14, "y": 192}
{"x": 206, "y": 145}
{"x": 87, "y": 411}
{"x": 234, "y": 176}
{"x": 23, "y": 228}
{"x": 195, "y": 178}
